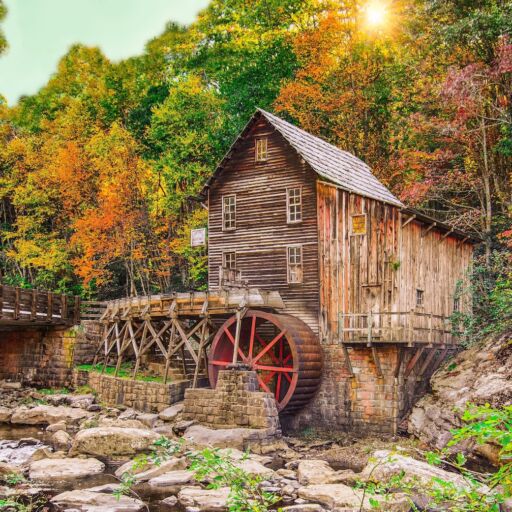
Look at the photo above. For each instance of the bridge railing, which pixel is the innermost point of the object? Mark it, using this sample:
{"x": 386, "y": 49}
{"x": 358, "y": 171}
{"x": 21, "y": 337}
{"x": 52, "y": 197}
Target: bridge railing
{"x": 18, "y": 306}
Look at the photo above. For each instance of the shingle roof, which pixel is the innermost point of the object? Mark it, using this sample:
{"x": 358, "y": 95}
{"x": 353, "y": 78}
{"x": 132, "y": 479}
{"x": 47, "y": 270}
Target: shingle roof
{"x": 332, "y": 163}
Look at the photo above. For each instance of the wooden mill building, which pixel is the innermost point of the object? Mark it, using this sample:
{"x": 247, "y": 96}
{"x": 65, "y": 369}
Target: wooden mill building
{"x": 320, "y": 280}
{"x": 374, "y": 281}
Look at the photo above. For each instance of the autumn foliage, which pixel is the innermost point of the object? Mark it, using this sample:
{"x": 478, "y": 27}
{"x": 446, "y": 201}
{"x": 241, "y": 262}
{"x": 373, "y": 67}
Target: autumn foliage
{"x": 100, "y": 170}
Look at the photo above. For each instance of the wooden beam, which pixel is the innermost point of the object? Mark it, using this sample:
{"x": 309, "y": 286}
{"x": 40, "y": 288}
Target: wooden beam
{"x": 413, "y": 361}
{"x": 410, "y": 219}
{"x": 376, "y": 360}
{"x": 426, "y": 363}
{"x": 348, "y": 363}
{"x": 432, "y": 226}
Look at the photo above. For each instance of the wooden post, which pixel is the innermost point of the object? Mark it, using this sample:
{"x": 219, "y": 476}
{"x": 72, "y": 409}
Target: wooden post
{"x": 33, "y": 306}
{"x": 430, "y": 332}
{"x": 63, "y": 308}
{"x": 370, "y": 326}
{"x": 1, "y": 299}
{"x": 237, "y": 335}
{"x": 49, "y": 312}
{"x": 16, "y": 312}
{"x": 77, "y": 309}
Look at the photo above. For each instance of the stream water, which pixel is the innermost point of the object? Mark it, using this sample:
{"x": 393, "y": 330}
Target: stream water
{"x": 18, "y": 444}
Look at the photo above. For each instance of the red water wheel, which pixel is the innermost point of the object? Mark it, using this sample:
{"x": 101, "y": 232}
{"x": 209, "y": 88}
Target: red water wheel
{"x": 282, "y": 349}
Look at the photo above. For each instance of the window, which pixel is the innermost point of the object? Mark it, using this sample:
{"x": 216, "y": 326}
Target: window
{"x": 456, "y": 304}
{"x": 261, "y": 150}
{"x": 295, "y": 272}
{"x": 294, "y": 204}
{"x": 420, "y": 295}
{"x": 359, "y": 224}
{"x": 229, "y": 260}
{"x": 228, "y": 212}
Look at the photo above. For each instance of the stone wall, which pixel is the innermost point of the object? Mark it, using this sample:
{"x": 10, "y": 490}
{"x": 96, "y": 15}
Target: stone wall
{"x": 141, "y": 395}
{"x": 364, "y": 403}
{"x": 38, "y": 358}
{"x": 235, "y": 402}
{"x": 45, "y": 358}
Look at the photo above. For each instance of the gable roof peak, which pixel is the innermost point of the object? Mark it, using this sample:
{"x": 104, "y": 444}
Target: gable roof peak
{"x": 336, "y": 165}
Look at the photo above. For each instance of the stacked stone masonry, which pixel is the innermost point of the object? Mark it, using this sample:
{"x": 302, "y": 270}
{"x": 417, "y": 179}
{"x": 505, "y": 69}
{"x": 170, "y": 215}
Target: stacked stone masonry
{"x": 364, "y": 403}
{"x": 141, "y": 395}
{"x": 235, "y": 402}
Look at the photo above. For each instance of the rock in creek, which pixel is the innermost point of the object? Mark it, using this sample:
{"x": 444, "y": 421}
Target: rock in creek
{"x": 199, "y": 435}
{"x": 61, "y": 440}
{"x": 5, "y": 414}
{"x": 79, "y": 401}
{"x": 384, "y": 464}
{"x": 89, "y": 500}
{"x": 209, "y": 500}
{"x": 113, "y": 441}
{"x": 62, "y": 469}
{"x": 47, "y": 414}
{"x": 318, "y": 472}
{"x": 171, "y": 413}
{"x": 173, "y": 478}
{"x": 340, "y": 496}
{"x": 143, "y": 474}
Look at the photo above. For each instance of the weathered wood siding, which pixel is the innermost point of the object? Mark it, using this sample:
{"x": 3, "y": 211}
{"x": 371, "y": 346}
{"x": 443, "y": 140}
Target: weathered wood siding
{"x": 262, "y": 233}
{"x": 380, "y": 271}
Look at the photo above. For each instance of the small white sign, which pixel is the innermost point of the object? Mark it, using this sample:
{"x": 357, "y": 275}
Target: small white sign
{"x": 198, "y": 237}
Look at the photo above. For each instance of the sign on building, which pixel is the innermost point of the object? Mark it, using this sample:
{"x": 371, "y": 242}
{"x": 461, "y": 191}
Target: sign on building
{"x": 198, "y": 237}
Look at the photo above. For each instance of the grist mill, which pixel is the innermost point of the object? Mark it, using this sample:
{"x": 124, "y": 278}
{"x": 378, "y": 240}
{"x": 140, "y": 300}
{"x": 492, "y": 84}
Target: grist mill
{"x": 336, "y": 295}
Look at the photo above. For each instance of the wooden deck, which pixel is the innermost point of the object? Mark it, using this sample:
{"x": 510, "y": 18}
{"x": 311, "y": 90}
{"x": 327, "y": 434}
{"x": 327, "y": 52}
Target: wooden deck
{"x": 20, "y": 308}
{"x": 191, "y": 304}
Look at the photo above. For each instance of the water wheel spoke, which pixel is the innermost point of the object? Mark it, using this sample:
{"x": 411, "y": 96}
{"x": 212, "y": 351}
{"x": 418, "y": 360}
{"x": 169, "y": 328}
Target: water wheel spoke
{"x": 221, "y": 363}
{"x": 265, "y": 368}
{"x": 232, "y": 340}
{"x": 269, "y": 346}
{"x": 278, "y": 387}
{"x": 251, "y": 339}
{"x": 263, "y": 385}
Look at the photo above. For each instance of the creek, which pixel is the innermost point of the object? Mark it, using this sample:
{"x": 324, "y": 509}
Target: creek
{"x": 18, "y": 444}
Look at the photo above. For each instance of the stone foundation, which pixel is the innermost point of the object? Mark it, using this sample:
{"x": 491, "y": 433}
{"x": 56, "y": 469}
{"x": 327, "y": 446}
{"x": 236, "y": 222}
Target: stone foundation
{"x": 45, "y": 358}
{"x": 365, "y": 403}
{"x": 235, "y": 402}
{"x": 143, "y": 396}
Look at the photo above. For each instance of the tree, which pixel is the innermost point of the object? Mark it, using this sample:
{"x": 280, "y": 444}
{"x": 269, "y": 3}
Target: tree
{"x": 3, "y": 14}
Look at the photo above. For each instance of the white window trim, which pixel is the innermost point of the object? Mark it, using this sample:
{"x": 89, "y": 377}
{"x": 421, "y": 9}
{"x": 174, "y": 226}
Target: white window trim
{"x": 257, "y": 141}
{"x": 224, "y": 228}
{"x": 288, "y": 247}
{"x": 288, "y": 220}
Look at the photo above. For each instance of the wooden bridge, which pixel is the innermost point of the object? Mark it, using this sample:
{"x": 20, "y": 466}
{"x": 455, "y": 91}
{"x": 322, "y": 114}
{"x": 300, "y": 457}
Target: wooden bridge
{"x": 21, "y": 308}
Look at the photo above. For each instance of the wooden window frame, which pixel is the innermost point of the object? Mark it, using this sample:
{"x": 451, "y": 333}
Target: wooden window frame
{"x": 261, "y": 149}
{"x": 233, "y": 213}
{"x": 420, "y": 298}
{"x": 289, "y": 220}
{"x": 456, "y": 305}
{"x": 365, "y": 216}
{"x": 224, "y": 259}
{"x": 300, "y": 264}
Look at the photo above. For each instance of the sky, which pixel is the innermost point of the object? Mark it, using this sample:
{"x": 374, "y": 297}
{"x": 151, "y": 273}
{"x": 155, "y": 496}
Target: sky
{"x": 39, "y": 33}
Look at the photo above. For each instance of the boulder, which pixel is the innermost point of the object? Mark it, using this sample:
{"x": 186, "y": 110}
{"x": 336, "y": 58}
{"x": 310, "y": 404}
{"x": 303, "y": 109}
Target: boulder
{"x": 343, "y": 497}
{"x": 87, "y": 500}
{"x": 62, "y": 469}
{"x": 143, "y": 474}
{"x": 79, "y": 401}
{"x": 173, "y": 478}
{"x": 55, "y": 427}
{"x": 113, "y": 441}
{"x": 237, "y": 438}
{"x": 7, "y": 469}
{"x": 482, "y": 374}
{"x": 121, "y": 423}
{"x": 171, "y": 413}
{"x": 148, "y": 419}
{"x": 61, "y": 440}
{"x": 209, "y": 500}
{"x": 47, "y": 414}
{"x": 316, "y": 472}
{"x": 385, "y": 464}
{"x": 305, "y": 507}
{"x": 5, "y": 414}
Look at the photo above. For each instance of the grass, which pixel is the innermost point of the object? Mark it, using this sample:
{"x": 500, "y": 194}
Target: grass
{"x": 125, "y": 372}
{"x": 54, "y": 391}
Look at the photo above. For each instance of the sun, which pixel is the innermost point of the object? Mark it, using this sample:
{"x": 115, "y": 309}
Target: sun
{"x": 376, "y": 13}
